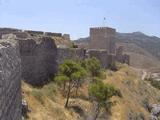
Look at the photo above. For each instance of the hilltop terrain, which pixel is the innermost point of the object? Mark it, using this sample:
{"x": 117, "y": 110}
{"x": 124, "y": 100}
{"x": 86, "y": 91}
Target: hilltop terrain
{"x": 144, "y": 50}
{"x": 48, "y": 103}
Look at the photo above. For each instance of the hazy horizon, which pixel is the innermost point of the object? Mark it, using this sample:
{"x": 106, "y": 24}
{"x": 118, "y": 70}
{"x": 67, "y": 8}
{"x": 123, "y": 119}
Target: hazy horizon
{"x": 75, "y": 17}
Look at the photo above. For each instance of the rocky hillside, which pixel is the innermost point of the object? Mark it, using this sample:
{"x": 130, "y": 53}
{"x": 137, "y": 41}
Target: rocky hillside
{"x": 148, "y": 43}
{"x": 48, "y": 103}
{"x": 144, "y": 50}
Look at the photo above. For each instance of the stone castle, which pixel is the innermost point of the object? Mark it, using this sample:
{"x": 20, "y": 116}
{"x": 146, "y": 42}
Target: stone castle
{"x": 34, "y": 56}
{"x": 102, "y": 46}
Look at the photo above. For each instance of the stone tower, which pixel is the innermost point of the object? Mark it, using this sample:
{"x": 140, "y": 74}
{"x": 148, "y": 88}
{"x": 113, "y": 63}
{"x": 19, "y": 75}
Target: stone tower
{"x": 103, "y": 38}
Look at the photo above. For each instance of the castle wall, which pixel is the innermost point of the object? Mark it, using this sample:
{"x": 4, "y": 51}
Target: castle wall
{"x": 120, "y": 57}
{"x": 101, "y": 55}
{"x": 10, "y": 85}
{"x": 53, "y": 34}
{"x": 38, "y": 59}
{"x": 119, "y": 51}
{"x": 123, "y": 59}
{"x": 103, "y": 38}
{"x": 31, "y": 32}
{"x": 8, "y": 31}
{"x": 126, "y": 59}
{"x": 69, "y": 53}
{"x": 105, "y": 59}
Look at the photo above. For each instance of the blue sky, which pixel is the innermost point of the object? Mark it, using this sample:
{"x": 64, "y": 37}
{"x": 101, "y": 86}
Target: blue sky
{"x": 77, "y": 16}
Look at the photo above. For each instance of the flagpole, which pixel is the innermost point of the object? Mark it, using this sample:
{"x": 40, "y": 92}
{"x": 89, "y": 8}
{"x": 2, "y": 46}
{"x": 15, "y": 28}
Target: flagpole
{"x": 104, "y": 21}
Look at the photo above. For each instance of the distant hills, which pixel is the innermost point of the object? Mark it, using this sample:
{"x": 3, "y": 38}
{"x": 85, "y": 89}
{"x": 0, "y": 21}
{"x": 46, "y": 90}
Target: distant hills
{"x": 143, "y": 49}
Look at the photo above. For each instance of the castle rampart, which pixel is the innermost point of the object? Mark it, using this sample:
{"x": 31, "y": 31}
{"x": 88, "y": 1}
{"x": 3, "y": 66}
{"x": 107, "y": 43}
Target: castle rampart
{"x": 102, "y": 55}
{"x": 31, "y": 32}
{"x": 70, "y": 53}
{"x": 8, "y": 31}
{"x": 10, "y": 84}
{"x": 51, "y": 34}
{"x": 38, "y": 59}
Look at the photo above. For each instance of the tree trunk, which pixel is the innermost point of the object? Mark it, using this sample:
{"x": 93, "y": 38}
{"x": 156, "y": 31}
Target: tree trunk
{"x": 68, "y": 94}
{"x": 77, "y": 87}
{"x": 77, "y": 90}
{"x": 96, "y": 111}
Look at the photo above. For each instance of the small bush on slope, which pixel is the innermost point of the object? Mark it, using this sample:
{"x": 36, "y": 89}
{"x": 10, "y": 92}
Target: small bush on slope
{"x": 101, "y": 94}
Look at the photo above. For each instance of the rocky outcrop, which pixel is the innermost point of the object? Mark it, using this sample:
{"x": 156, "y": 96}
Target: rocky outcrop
{"x": 38, "y": 59}
{"x": 10, "y": 76}
{"x": 155, "y": 112}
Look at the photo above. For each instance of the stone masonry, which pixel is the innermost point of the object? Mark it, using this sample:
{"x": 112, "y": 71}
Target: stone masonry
{"x": 120, "y": 57}
{"x": 38, "y": 59}
{"x": 35, "y": 55}
{"x": 10, "y": 85}
{"x": 30, "y": 33}
{"x": 40, "y": 55}
{"x": 103, "y": 38}
{"x": 102, "y": 46}
{"x": 101, "y": 55}
{"x": 70, "y": 53}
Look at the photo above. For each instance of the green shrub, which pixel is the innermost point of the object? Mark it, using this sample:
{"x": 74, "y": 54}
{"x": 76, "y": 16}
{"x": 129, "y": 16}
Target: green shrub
{"x": 70, "y": 75}
{"x": 113, "y": 66}
{"x": 155, "y": 84}
{"x": 145, "y": 103}
{"x": 101, "y": 93}
{"x": 102, "y": 74}
{"x": 94, "y": 67}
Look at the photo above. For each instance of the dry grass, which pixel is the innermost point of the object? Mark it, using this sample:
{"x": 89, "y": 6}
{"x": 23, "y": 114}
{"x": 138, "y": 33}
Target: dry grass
{"x": 49, "y": 109}
{"x": 62, "y": 41}
{"x": 135, "y": 94}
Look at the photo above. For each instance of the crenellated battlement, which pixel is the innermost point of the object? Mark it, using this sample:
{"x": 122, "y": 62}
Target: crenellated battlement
{"x": 34, "y": 32}
{"x": 53, "y": 34}
{"x": 29, "y": 33}
{"x": 102, "y": 29}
